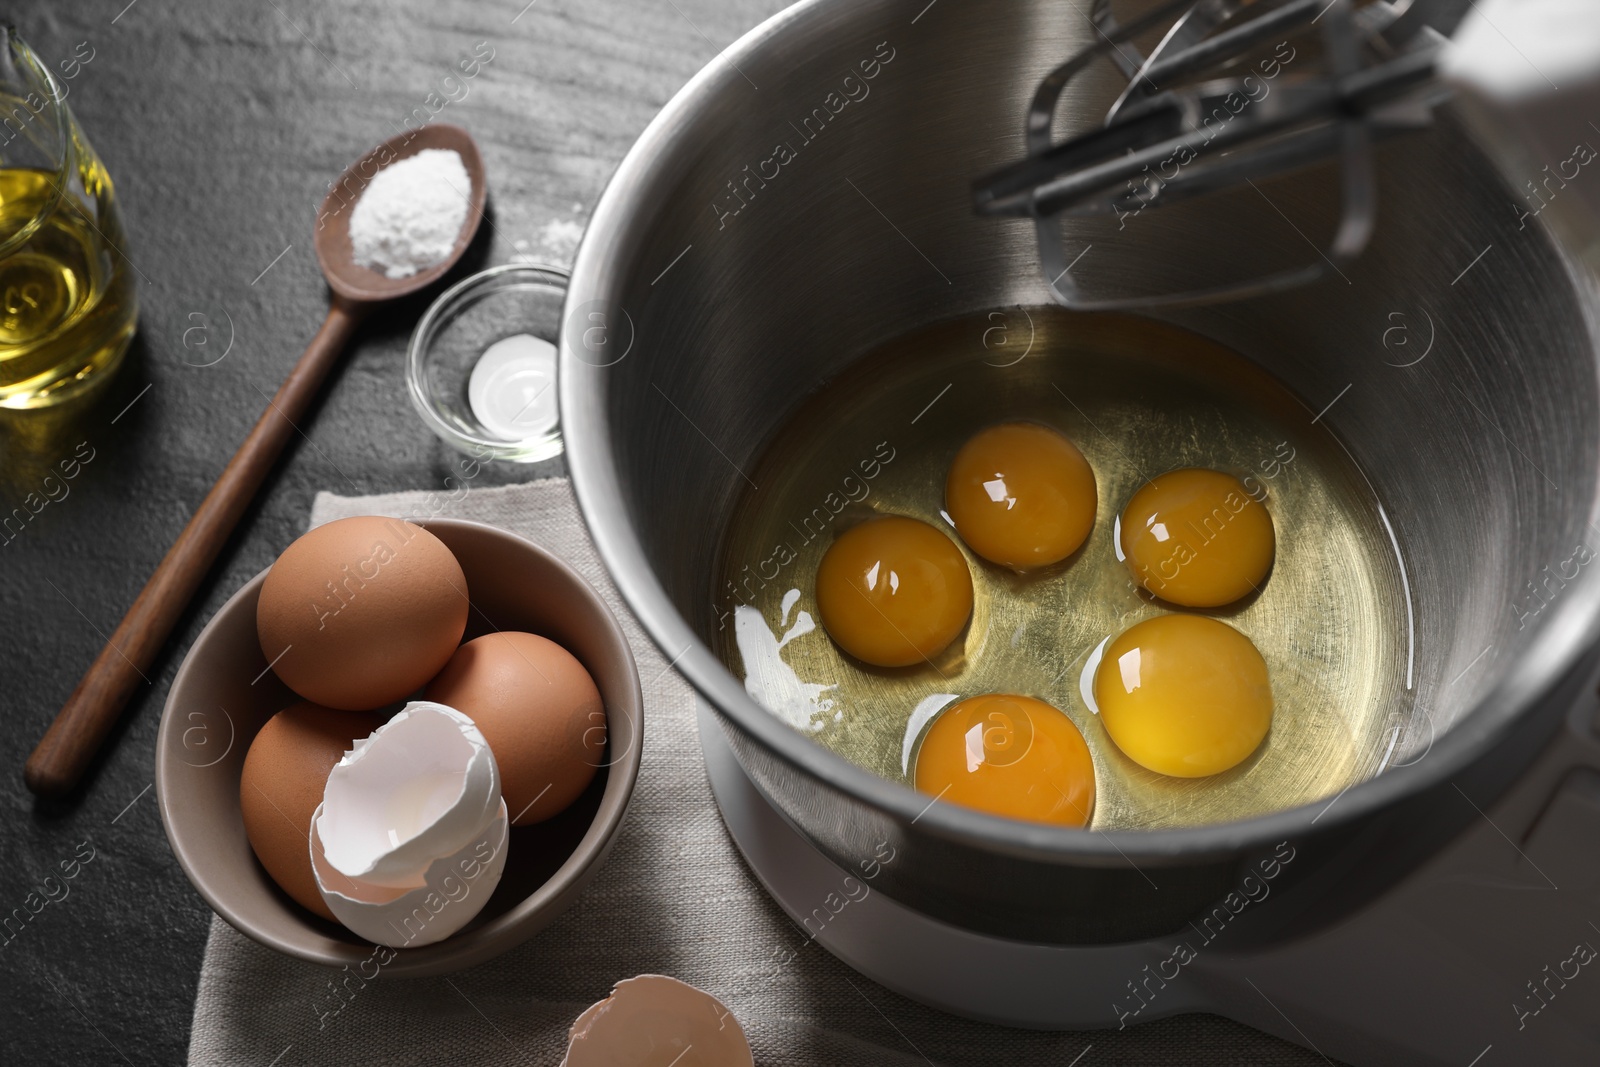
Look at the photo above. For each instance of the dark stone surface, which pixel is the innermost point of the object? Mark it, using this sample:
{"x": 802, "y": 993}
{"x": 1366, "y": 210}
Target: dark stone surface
{"x": 222, "y": 123}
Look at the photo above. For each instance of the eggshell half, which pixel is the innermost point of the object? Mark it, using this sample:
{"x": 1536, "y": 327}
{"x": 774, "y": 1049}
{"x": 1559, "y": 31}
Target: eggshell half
{"x": 420, "y": 788}
{"x": 539, "y": 710}
{"x": 451, "y": 892}
{"x": 361, "y": 612}
{"x": 653, "y": 1019}
{"x": 281, "y": 784}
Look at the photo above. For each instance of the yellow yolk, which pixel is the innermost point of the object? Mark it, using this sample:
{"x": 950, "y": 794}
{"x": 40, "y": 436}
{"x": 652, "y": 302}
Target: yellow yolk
{"x": 1021, "y": 495}
{"x": 1197, "y": 538}
{"x": 893, "y": 591}
{"x": 1008, "y": 755}
{"x": 1184, "y": 695}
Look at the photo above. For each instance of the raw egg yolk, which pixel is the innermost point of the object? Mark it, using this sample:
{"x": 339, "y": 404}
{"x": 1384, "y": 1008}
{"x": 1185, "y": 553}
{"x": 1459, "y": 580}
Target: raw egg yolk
{"x": 1021, "y": 495}
{"x": 1184, "y": 695}
{"x": 893, "y": 591}
{"x": 1197, "y": 538}
{"x": 1008, "y": 755}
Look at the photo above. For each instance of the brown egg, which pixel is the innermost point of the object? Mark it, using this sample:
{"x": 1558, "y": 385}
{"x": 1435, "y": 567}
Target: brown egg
{"x": 362, "y": 612}
{"x": 647, "y": 1019}
{"x": 281, "y": 785}
{"x": 540, "y": 712}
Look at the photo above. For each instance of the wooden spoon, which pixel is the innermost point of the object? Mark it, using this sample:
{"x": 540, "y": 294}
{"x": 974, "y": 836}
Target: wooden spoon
{"x": 94, "y": 706}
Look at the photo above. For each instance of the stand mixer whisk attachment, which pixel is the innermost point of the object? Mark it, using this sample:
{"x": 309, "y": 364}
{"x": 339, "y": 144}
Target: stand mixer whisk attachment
{"x": 1234, "y": 92}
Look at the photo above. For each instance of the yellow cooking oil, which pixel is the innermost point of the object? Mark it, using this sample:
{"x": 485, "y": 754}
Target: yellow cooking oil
{"x": 1138, "y": 398}
{"x": 68, "y": 302}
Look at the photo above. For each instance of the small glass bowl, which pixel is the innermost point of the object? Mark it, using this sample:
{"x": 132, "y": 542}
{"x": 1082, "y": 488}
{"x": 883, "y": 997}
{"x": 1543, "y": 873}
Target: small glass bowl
{"x": 501, "y": 308}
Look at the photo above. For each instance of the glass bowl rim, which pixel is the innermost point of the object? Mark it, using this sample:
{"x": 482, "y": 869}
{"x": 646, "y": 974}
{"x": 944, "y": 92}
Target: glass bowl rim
{"x": 422, "y": 337}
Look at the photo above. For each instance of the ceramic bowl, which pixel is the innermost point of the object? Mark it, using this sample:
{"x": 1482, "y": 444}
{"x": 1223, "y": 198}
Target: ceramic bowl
{"x": 224, "y": 692}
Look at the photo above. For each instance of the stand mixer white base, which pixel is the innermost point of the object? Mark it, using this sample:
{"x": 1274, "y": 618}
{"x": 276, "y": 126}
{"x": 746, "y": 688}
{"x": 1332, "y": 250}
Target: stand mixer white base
{"x": 1485, "y": 955}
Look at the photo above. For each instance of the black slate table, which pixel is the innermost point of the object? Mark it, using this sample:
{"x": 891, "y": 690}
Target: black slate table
{"x": 222, "y": 123}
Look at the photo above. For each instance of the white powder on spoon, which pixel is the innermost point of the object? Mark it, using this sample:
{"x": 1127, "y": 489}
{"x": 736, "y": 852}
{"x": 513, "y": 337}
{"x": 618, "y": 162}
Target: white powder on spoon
{"x": 410, "y": 213}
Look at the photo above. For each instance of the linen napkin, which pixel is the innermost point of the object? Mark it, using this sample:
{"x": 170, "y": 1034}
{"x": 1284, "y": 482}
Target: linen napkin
{"x": 673, "y": 898}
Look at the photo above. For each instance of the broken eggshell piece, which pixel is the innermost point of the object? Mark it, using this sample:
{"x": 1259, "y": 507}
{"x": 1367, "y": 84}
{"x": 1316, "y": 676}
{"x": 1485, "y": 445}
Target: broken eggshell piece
{"x": 409, "y": 841}
{"x": 420, "y": 788}
{"x": 652, "y": 1020}
{"x": 453, "y": 890}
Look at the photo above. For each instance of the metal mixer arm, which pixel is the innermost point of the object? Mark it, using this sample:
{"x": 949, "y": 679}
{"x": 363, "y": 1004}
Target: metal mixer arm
{"x": 1169, "y": 137}
{"x": 1085, "y": 175}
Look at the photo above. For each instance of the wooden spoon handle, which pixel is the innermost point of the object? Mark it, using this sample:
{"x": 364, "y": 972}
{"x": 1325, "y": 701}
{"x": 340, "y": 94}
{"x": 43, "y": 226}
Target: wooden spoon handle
{"x": 94, "y": 706}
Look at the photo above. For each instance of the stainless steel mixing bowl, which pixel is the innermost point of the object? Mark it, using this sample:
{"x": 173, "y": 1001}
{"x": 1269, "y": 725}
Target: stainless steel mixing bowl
{"x": 723, "y": 279}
